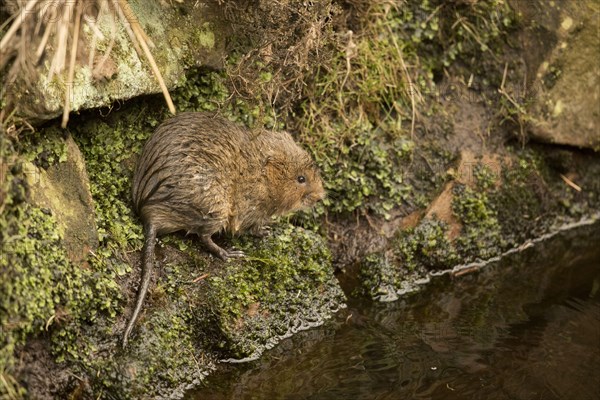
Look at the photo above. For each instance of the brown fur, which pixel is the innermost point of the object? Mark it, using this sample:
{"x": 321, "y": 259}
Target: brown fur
{"x": 204, "y": 175}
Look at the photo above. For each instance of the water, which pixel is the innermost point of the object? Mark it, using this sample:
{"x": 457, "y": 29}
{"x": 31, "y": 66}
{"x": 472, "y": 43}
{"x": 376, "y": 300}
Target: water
{"x": 526, "y": 327}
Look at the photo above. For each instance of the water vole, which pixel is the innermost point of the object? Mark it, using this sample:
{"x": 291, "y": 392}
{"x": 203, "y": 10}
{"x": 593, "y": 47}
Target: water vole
{"x": 203, "y": 174}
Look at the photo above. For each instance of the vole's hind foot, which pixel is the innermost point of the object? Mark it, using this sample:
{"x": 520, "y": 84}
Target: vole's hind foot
{"x": 219, "y": 251}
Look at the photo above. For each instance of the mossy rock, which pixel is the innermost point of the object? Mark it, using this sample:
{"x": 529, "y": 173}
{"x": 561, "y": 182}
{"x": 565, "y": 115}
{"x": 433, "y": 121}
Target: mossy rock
{"x": 378, "y": 278}
{"x": 41, "y": 287}
{"x": 196, "y": 36}
{"x": 524, "y": 196}
{"x": 202, "y": 310}
{"x": 560, "y": 50}
{"x": 63, "y": 189}
{"x": 285, "y": 285}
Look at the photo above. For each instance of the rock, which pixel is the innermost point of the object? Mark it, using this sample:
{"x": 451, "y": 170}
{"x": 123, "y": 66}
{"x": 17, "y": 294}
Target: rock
{"x": 561, "y": 53}
{"x": 180, "y": 36}
{"x": 64, "y": 190}
{"x": 286, "y": 286}
{"x": 466, "y": 174}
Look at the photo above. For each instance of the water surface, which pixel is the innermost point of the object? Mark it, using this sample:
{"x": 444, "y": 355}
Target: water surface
{"x": 526, "y": 327}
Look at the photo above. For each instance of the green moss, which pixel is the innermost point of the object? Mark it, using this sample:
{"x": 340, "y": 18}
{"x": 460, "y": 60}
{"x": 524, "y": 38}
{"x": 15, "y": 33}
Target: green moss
{"x": 204, "y": 37}
{"x": 167, "y": 357}
{"x": 481, "y": 234}
{"x": 425, "y": 247}
{"x": 108, "y": 150}
{"x": 521, "y": 199}
{"x": 42, "y": 289}
{"x": 287, "y": 275}
{"x": 534, "y": 196}
{"x": 443, "y": 33}
{"x": 353, "y": 123}
{"x": 378, "y": 278}
{"x": 31, "y": 264}
{"x": 204, "y": 90}
{"x": 485, "y": 177}
{"x": 163, "y": 356}
{"x": 201, "y": 91}
{"x": 364, "y": 172}
{"x": 44, "y": 148}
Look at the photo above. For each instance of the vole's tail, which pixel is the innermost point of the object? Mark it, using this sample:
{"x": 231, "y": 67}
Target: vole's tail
{"x": 147, "y": 267}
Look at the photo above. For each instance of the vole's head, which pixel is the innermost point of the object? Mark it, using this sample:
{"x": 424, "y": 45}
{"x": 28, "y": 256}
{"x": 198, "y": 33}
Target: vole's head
{"x": 294, "y": 178}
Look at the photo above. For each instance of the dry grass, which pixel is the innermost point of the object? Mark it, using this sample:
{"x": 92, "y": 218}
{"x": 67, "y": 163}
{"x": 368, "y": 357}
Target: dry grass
{"x": 369, "y": 82}
{"x": 41, "y": 30}
{"x": 277, "y": 46}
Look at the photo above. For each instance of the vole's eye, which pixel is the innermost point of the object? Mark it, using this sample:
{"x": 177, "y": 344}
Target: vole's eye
{"x": 301, "y": 179}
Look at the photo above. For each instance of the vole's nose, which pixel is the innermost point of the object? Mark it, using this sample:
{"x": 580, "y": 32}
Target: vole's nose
{"x": 320, "y": 193}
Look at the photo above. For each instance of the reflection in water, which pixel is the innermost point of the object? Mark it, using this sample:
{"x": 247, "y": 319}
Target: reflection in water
{"x": 527, "y": 327}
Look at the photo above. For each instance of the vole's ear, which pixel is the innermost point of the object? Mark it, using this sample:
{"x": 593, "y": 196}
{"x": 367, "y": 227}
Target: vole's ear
{"x": 271, "y": 160}
{"x": 274, "y": 167}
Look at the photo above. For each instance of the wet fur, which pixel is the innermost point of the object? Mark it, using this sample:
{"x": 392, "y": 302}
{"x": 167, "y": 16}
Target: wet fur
{"x": 204, "y": 174}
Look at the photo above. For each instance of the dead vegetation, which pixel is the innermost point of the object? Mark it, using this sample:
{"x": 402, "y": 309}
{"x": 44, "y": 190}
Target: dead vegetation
{"x": 288, "y": 47}
{"x": 277, "y": 46}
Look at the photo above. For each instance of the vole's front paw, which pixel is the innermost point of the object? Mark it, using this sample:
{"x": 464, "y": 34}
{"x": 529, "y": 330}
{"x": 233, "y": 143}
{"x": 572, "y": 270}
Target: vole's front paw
{"x": 227, "y": 255}
{"x": 234, "y": 253}
{"x": 219, "y": 251}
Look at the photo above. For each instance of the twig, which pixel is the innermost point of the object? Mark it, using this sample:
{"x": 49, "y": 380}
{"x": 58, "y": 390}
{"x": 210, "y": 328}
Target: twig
{"x": 58, "y": 61}
{"x": 44, "y": 41}
{"x": 503, "y": 92}
{"x": 521, "y": 112}
{"x": 97, "y": 35}
{"x": 127, "y": 26}
{"x": 71, "y": 74}
{"x": 138, "y": 31}
{"x": 16, "y": 24}
{"x": 113, "y": 29}
{"x": 201, "y": 277}
{"x": 411, "y": 86}
{"x": 466, "y": 271}
{"x": 570, "y": 183}
{"x": 350, "y": 53}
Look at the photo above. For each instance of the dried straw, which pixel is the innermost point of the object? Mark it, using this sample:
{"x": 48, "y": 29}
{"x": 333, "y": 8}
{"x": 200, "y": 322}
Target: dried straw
{"x": 34, "y": 34}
